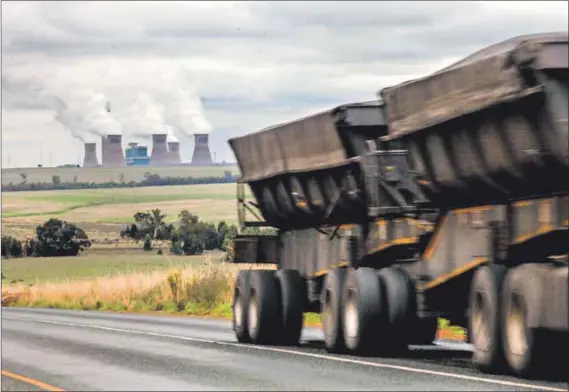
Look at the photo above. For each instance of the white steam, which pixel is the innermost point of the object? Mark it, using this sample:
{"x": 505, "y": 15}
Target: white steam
{"x": 84, "y": 113}
{"x": 144, "y": 100}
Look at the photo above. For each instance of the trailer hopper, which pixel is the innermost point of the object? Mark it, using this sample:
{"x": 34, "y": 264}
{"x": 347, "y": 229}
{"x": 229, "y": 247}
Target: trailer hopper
{"x": 490, "y": 128}
{"x": 307, "y": 173}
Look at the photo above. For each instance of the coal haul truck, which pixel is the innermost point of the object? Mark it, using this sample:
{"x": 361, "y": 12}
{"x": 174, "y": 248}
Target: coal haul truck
{"x": 447, "y": 197}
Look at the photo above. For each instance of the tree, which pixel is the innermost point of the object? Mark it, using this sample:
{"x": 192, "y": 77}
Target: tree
{"x": 151, "y": 222}
{"x": 59, "y": 238}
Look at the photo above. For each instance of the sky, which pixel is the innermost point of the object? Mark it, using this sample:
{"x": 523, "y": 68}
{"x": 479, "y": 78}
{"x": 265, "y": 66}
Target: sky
{"x": 72, "y": 71}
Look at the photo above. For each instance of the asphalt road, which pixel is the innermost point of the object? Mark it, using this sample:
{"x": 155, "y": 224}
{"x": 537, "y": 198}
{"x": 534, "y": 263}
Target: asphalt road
{"x": 46, "y": 349}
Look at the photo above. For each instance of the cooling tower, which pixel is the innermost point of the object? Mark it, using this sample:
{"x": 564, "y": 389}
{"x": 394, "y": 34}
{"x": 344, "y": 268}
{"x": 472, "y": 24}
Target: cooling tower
{"x": 174, "y": 152}
{"x": 90, "y": 159}
{"x": 159, "y": 154}
{"x": 201, "y": 156}
{"x": 112, "y": 152}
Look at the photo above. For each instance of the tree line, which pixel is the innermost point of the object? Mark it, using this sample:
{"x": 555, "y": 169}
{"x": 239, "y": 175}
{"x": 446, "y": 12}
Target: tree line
{"x": 149, "y": 180}
{"x": 190, "y": 236}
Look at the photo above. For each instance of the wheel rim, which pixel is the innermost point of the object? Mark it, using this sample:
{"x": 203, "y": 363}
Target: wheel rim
{"x": 516, "y": 324}
{"x": 238, "y": 309}
{"x": 351, "y": 322}
{"x": 480, "y": 330}
{"x": 253, "y": 319}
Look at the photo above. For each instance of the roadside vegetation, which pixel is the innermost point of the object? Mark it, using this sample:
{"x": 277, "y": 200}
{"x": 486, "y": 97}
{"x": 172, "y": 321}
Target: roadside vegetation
{"x": 161, "y": 249}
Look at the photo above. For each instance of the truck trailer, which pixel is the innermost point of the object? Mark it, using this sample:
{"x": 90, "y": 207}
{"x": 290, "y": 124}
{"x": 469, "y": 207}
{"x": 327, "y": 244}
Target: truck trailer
{"x": 447, "y": 197}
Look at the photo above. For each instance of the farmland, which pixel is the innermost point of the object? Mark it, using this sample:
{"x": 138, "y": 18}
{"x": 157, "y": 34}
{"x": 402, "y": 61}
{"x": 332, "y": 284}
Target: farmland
{"x": 103, "y": 212}
{"x": 101, "y": 174}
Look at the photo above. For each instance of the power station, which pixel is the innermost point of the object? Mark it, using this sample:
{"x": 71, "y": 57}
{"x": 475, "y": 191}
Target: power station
{"x": 163, "y": 153}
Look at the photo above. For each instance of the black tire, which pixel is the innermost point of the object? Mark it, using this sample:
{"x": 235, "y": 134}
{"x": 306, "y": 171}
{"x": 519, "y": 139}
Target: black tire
{"x": 362, "y": 310}
{"x": 331, "y": 309}
{"x": 525, "y": 349}
{"x": 241, "y": 306}
{"x": 264, "y": 314}
{"x": 399, "y": 308}
{"x": 484, "y": 322}
{"x": 294, "y": 297}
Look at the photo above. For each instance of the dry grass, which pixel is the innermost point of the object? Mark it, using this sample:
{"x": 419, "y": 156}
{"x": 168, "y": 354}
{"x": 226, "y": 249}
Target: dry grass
{"x": 204, "y": 290}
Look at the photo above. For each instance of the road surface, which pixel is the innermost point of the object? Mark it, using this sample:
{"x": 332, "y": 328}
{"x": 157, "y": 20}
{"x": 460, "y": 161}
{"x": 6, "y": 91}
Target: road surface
{"x": 47, "y": 349}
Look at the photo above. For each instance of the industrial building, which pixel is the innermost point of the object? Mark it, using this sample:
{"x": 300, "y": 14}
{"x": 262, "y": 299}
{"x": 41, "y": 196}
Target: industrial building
{"x": 137, "y": 155}
{"x": 112, "y": 152}
{"x": 163, "y": 153}
{"x": 90, "y": 159}
{"x": 202, "y": 155}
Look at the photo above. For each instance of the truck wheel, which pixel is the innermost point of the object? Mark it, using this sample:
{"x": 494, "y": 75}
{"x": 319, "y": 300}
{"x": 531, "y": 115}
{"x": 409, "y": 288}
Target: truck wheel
{"x": 241, "y": 306}
{"x": 399, "y": 299}
{"x": 523, "y": 348}
{"x": 484, "y": 322}
{"x": 264, "y": 314}
{"x": 331, "y": 304}
{"x": 294, "y": 298}
{"x": 362, "y": 310}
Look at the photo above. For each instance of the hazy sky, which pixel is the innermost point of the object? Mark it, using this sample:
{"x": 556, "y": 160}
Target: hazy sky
{"x": 225, "y": 67}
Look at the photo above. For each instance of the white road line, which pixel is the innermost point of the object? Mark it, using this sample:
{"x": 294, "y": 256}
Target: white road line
{"x": 303, "y": 354}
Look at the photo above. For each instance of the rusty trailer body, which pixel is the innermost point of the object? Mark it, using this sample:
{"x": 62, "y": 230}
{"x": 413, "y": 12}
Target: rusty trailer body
{"x": 448, "y": 197}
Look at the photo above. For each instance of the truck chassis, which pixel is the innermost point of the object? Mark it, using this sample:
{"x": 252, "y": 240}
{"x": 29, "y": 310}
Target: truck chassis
{"x": 500, "y": 271}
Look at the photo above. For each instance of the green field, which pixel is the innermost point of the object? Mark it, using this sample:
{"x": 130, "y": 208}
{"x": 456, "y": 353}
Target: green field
{"x": 32, "y": 270}
{"x": 103, "y": 212}
{"x": 100, "y": 174}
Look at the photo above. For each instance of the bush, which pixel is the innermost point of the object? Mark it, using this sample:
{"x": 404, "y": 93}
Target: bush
{"x": 11, "y": 247}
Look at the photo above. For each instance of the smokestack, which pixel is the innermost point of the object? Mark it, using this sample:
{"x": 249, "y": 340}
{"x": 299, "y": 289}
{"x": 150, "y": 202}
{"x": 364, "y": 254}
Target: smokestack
{"x": 159, "y": 154}
{"x": 201, "y": 156}
{"x": 174, "y": 152}
{"x": 112, "y": 150}
{"x": 90, "y": 159}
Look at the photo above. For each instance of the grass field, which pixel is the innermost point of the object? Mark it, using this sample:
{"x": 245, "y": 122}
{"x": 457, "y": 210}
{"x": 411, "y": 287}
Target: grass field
{"x": 99, "y": 174}
{"x": 104, "y": 212}
{"x": 34, "y": 270}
